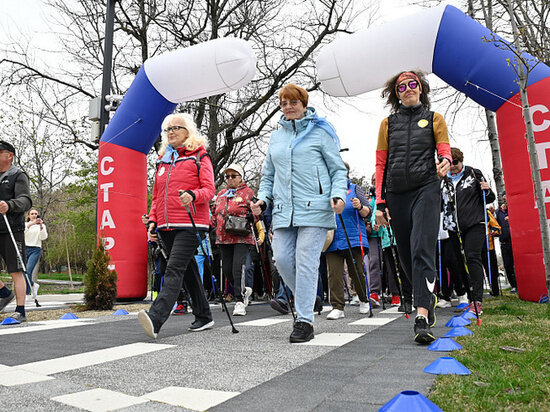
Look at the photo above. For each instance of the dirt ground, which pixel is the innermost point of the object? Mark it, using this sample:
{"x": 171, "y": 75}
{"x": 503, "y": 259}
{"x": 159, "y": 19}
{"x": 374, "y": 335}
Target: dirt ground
{"x": 39, "y": 315}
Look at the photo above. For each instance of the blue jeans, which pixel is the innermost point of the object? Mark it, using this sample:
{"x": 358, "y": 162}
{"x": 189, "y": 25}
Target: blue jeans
{"x": 33, "y": 256}
{"x": 297, "y": 251}
{"x": 200, "y": 263}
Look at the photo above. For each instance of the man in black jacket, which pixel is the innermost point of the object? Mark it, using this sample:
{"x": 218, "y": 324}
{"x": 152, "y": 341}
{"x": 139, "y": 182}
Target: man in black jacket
{"x": 15, "y": 200}
{"x": 506, "y": 243}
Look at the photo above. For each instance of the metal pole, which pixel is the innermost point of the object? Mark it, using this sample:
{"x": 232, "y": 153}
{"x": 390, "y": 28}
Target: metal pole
{"x": 107, "y": 64}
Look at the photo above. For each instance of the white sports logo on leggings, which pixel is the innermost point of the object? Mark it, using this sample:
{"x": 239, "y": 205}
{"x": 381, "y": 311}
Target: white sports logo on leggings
{"x": 430, "y": 285}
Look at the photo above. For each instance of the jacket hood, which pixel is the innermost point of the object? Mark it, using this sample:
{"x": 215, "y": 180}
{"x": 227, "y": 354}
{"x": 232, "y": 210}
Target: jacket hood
{"x": 300, "y": 124}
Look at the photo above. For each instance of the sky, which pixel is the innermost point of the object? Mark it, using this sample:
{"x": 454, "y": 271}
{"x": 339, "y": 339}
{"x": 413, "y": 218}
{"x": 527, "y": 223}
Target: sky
{"x": 356, "y": 119}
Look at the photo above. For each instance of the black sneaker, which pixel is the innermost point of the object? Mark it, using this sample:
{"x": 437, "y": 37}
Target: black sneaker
{"x": 303, "y": 332}
{"x": 405, "y": 307}
{"x": 422, "y": 332}
{"x": 280, "y": 306}
{"x": 200, "y": 325}
{"x": 147, "y": 324}
{"x": 318, "y": 305}
{"x": 6, "y": 301}
{"x": 431, "y": 312}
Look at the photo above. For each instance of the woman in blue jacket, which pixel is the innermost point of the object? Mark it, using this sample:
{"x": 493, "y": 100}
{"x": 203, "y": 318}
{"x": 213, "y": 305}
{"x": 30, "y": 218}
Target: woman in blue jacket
{"x": 305, "y": 178}
{"x": 357, "y": 208}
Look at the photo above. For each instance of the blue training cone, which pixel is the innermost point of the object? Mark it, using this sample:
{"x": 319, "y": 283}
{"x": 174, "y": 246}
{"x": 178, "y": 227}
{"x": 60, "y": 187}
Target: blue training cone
{"x": 447, "y": 366}
{"x": 10, "y": 321}
{"x": 468, "y": 315}
{"x": 458, "y": 331}
{"x": 410, "y": 401}
{"x": 444, "y": 344}
{"x": 462, "y": 306}
{"x": 120, "y": 312}
{"x": 457, "y": 321}
{"x": 69, "y": 316}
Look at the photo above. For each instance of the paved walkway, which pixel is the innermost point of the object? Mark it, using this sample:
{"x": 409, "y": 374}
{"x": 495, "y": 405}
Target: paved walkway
{"x": 355, "y": 363}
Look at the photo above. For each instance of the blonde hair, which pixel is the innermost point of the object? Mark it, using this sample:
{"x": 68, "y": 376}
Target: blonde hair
{"x": 194, "y": 140}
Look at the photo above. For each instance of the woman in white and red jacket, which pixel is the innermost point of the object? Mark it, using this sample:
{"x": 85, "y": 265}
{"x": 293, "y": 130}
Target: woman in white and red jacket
{"x": 184, "y": 178}
{"x": 234, "y": 200}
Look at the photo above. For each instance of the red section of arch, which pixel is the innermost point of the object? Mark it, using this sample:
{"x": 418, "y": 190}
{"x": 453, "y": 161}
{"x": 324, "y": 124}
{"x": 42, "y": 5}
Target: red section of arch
{"x": 121, "y": 201}
{"x": 523, "y": 214}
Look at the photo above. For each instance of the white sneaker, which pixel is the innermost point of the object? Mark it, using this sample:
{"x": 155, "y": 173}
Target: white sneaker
{"x": 355, "y": 301}
{"x": 35, "y": 287}
{"x": 335, "y": 314}
{"x": 247, "y": 293}
{"x": 463, "y": 299}
{"x": 443, "y": 304}
{"x": 239, "y": 309}
{"x": 364, "y": 307}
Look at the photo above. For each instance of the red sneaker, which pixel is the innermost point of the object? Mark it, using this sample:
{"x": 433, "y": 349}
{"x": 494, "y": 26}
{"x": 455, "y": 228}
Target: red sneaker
{"x": 472, "y": 309}
{"x": 374, "y": 300}
{"x": 180, "y": 310}
{"x": 395, "y": 301}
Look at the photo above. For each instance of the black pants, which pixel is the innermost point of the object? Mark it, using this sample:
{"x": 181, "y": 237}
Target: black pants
{"x": 233, "y": 266}
{"x": 495, "y": 287}
{"x": 389, "y": 272}
{"x": 472, "y": 241}
{"x": 508, "y": 260}
{"x": 181, "y": 266}
{"x": 415, "y": 221}
{"x": 454, "y": 264}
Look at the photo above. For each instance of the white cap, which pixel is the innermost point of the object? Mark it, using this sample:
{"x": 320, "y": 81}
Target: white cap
{"x": 236, "y": 167}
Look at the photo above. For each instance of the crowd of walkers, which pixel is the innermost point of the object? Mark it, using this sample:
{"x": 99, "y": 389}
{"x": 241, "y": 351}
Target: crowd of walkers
{"x": 422, "y": 231}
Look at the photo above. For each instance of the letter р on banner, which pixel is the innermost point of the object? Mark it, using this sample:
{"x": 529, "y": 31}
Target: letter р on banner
{"x": 523, "y": 214}
{"x": 121, "y": 168}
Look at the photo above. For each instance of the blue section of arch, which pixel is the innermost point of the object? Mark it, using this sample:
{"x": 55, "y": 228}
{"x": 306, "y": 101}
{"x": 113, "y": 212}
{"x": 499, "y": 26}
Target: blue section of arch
{"x": 137, "y": 121}
{"x": 468, "y": 54}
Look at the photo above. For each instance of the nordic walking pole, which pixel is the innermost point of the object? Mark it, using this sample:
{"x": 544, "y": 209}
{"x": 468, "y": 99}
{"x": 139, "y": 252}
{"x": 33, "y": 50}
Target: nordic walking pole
{"x": 452, "y": 202}
{"x": 233, "y": 329}
{"x": 19, "y": 257}
{"x": 262, "y": 267}
{"x": 397, "y": 272}
{"x": 487, "y": 237}
{"x": 335, "y": 200}
{"x": 281, "y": 281}
{"x": 363, "y": 263}
{"x": 439, "y": 258}
{"x": 380, "y": 259}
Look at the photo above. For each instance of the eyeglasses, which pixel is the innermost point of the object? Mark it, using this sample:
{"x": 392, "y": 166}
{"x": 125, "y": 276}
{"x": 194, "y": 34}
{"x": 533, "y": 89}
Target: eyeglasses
{"x": 455, "y": 162}
{"x": 227, "y": 177}
{"x": 413, "y": 84}
{"x": 293, "y": 103}
{"x": 174, "y": 129}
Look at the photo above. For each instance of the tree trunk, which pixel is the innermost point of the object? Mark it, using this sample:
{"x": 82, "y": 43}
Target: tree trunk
{"x": 492, "y": 134}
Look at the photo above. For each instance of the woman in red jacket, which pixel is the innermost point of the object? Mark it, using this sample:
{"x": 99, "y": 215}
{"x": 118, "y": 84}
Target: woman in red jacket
{"x": 184, "y": 178}
{"x": 234, "y": 201}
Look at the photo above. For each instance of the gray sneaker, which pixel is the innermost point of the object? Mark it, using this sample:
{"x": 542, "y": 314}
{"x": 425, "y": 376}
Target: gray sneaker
{"x": 18, "y": 317}
{"x": 6, "y": 301}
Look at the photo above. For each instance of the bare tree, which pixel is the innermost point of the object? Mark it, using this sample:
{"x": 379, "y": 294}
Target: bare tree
{"x": 284, "y": 35}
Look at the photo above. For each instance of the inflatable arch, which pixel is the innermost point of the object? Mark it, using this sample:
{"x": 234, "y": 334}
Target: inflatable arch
{"x": 463, "y": 53}
{"x": 210, "y": 68}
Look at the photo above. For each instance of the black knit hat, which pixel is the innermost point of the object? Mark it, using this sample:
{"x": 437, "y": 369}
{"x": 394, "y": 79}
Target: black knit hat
{"x": 6, "y": 146}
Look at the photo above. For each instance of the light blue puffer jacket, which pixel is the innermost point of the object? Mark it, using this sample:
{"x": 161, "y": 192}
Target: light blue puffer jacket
{"x": 302, "y": 171}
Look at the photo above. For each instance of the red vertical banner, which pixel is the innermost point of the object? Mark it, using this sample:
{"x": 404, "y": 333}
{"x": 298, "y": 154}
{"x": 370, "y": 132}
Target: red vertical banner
{"x": 121, "y": 201}
{"x": 520, "y": 194}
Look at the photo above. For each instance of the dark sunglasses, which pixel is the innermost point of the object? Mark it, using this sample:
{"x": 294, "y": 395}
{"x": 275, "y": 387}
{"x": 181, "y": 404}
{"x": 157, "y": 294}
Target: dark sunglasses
{"x": 232, "y": 176}
{"x": 413, "y": 84}
{"x": 455, "y": 162}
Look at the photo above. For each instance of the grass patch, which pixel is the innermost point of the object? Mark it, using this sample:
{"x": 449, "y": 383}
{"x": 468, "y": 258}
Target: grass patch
{"x": 501, "y": 380}
{"x": 61, "y": 276}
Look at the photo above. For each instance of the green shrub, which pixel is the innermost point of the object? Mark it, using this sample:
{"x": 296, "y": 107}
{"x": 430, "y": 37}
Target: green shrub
{"x": 100, "y": 282}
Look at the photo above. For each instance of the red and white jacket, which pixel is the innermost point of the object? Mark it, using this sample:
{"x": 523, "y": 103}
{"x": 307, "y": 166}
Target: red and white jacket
{"x": 192, "y": 170}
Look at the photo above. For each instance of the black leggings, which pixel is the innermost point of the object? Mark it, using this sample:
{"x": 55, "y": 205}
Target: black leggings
{"x": 415, "y": 221}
